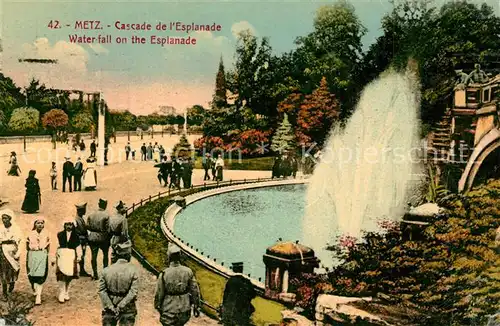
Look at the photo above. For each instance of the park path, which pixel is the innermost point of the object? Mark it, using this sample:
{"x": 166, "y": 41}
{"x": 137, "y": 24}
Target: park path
{"x": 127, "y": 181}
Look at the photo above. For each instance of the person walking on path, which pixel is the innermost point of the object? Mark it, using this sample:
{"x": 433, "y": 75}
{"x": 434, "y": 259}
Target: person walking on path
{"x": 68, "y": 170}
{"x": 143, "y": 152}
{"x": 33, "y": 197}
{"x": 10, "y": 239}
{"x": 118, "y": 227}
{"x": 219, "y": 167}
{"x": 83, "y": 236}
{"x": 14, "y": 170}
{"x": 37, "y": 260}
{"x": 118, "y": 289}
{"x": 176, "y": 291}
{"x": 53, "y": 176}
{"x": 207, "y": 165}
{"x": 150, "y": 152}
{"x": 98, "y": 227}
{"x": 77, "y": 175}
{"x": 93, "y": 148}
{"x": 67, "y": 258}
{"x": 214, "y": 170}
{"x": 128, "y": 149}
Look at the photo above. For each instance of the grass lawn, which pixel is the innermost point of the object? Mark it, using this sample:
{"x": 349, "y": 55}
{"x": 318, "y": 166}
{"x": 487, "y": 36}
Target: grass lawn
{"x": 150, "y": 242}
{"x": 256, "y": 163}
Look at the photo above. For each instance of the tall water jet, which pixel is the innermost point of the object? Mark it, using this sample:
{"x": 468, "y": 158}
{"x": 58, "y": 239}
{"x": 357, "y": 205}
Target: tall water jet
{"x": 366, "y": 168}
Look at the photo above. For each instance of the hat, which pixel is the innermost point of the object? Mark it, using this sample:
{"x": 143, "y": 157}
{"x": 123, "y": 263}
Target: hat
{"x": 173, "y": 249}
{"x": 38, "y": 219}
{"x": 123, "y": 248}
{"x": 119, "y": 205}
{"x": 102, "y": 201}
{"x": 81, "y": 206}
{"x": 8, "y": 212}
{"x": 12, "y": 153}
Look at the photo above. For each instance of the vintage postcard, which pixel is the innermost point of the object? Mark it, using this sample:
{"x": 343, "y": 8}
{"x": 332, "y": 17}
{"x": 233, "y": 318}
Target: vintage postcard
{"x": 250, "y": 162}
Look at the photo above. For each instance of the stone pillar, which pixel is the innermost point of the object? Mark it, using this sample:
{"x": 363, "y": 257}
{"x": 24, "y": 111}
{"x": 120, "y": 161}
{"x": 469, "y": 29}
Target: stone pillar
{"x": 284, "y": 285}
{"x": 277, "y": 278}
{"x": 185, "y": 122}
{"x": 101, "y": 133}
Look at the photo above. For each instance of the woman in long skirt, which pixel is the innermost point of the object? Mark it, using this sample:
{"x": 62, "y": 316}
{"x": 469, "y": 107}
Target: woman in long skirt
{"x": 10, "y": 239}
{"x": 67, "y": 258}
{"x": 14, "y": 167}
{"x": 90, "y": 175}
{"x": 37, "y": 261}
{"x": 219, "y": 167}
{"x": 32, "y": 200}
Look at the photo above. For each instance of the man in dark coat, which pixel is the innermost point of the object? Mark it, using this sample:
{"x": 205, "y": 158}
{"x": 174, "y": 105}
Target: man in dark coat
{"x": 68, "y": 169}
{"x": 207, "y": 165}
{"x": 176, "y": 291}
{"x": 81, "y": 231}
{"x": 237, "y": 305}
{"x": 187, "y": 171}
{"x": 118, "y": 288}
{"x": 143, "y": 152}
{"x": 99, "y": 239}
{"x": 77, "y": 175}
{"x": 277, "y": 167}
{"x": 93, "y": 148}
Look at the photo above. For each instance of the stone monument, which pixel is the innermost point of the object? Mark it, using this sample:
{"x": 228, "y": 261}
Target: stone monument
{"x": 101, "y": 128}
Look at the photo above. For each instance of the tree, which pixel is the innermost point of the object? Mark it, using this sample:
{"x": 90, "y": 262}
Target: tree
{"x": 182, "y": 148}
{"x": 284, "y": 138}
{"x": 24, "y": 120}
{"x": 82, "y": 122}
{"x": 11, "y": 97}
{"x": 332, "y": 50}
{"x": 219, "y": 121}
{"x": 316, "y": 115}
{"x": 220, "y": 96}
{"x": 196, "y": 114}
{"x": 55, "y": 120}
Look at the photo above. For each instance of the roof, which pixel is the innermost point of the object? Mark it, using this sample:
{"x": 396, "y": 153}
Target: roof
{"x": 290, "y": 250}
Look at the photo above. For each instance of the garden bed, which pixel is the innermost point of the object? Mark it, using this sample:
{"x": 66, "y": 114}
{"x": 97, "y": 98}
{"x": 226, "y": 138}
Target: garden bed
{"x": 150, "y": 244}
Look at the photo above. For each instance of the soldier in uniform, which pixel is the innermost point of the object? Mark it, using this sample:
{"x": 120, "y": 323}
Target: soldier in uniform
{"x": 118, "y": 227}
{"x": 98, "y": 227}
{"x": 81, "y": 231}
{"x": 118, "y": 288}
{"x": 176, "y": 291}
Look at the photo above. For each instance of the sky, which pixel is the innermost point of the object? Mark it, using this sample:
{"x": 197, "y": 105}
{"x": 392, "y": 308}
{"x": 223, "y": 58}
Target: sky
{"x": 142, "y": 77}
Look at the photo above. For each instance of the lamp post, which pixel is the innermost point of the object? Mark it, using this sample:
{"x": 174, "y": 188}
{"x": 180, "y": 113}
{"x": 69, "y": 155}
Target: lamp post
{"x": 39, "y": 61}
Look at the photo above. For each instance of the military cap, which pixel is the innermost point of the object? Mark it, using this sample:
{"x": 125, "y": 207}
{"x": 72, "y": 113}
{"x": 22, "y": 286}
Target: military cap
{"x": 123, "y": 248}
{"x": 119, "y": 205}
{"x": 81, "y": 206}
{"x": 173, "y": 249}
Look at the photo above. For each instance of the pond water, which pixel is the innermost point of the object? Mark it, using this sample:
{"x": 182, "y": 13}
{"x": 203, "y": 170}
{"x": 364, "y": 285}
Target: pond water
{"x": 239, "y": 226}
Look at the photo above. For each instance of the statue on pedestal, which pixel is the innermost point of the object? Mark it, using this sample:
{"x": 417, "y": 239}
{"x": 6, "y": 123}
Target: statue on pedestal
{"x": 478, "y": 76}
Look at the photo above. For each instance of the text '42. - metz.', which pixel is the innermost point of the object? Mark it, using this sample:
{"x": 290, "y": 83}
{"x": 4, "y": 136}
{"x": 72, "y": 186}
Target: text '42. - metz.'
{"x": 88, "y": 24}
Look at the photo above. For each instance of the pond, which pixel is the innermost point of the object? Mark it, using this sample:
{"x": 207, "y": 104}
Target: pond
{"x": 239, "y": 226}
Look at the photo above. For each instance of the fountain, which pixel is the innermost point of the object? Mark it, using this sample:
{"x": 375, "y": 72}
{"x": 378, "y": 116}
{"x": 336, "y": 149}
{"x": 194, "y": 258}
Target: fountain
{"x": 366, "y": 168}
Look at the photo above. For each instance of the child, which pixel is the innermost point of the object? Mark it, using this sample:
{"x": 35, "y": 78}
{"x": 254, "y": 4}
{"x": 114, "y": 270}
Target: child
{"x": 53, "y": 176}
{"x": 133, "y": 154}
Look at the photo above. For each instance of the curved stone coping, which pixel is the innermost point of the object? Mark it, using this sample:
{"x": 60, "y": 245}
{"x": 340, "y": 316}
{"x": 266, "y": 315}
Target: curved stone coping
{"x": 168, "y": 221}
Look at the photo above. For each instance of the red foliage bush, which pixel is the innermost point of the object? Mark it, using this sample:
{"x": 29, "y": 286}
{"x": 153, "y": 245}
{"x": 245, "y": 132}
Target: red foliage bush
{"x": 250, "y": 142}
{"x": 208, "y": 143}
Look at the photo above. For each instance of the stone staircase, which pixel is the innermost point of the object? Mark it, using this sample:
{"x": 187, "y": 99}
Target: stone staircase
{"x": 440, "y": 145}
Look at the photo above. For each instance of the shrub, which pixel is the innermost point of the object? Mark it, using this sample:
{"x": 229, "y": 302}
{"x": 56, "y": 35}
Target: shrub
{"x": 250, "y": 142}
{"x": 182, "y": 148}
{"x": 207, "y": 144}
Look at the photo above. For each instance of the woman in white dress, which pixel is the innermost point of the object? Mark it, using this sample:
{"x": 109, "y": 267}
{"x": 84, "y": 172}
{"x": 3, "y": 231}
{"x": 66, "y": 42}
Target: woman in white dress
{"x": 156, "y": 153}
{"x": 219, "y": 167}
{"x": 90, "y": 175}
{"x": 10, "y": 239}
{"x": 37, "y": 261}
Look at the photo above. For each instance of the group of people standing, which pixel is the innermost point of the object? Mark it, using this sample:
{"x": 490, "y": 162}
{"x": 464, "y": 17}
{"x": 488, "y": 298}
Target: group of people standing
{"x": 177, "y": 290}
{"x": 151, "y": 152}
{"x": 98, "y": 230}
{"x": 285, "y": 166}
{"x": 171, "y": 172}
{"x": 216, "y": 166}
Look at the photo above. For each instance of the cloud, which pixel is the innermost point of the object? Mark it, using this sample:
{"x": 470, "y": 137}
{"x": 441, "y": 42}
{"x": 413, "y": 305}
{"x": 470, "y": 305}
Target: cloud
{"x": 98, "y": 48}
{"x": 200, "y": 61}
{"x": 69, "y": 55}
{"x": 241, "y": 26}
